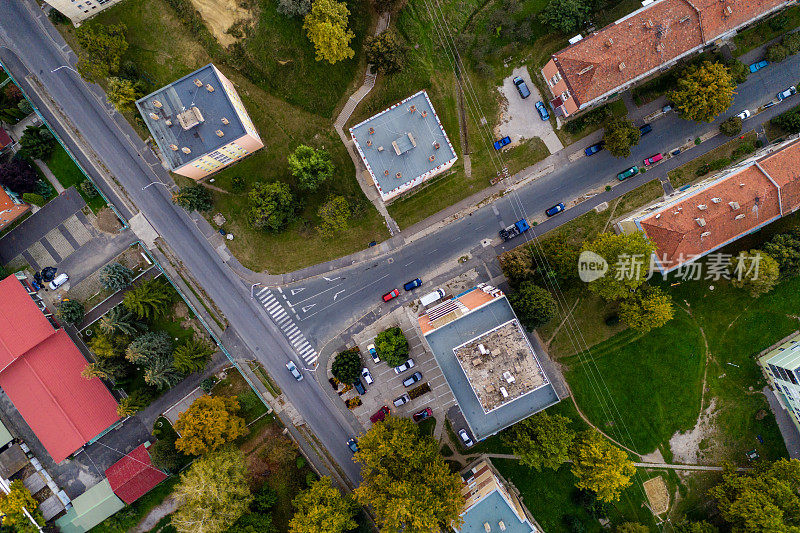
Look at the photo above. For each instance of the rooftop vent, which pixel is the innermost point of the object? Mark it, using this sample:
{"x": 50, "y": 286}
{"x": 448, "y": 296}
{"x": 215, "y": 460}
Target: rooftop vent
{"x": 658, "y": 215}
{"x": 587, "y": 69}
{"x": 225, "y": 121}
{"x": 728, "y": 11}
{"x": 372, "y": 131}
{"x": 157, "y": 104}
{"x": 502, "y": 525}
{"x": 153, "y": 116}
{"x": 504, "y": 392}
{"x": 431, "y": 158}
{"x": 435, "y": 145}
{"x": 702, "y": 207}
{"x": 700, "y": 222}
{"x": 209, "y": 88}
{"x": 734, "y": 205}
{"x": 369, "y": 142}
{"x": 609, "y": 42}
{"x": 423, "y": 114}
{"x": 380, "y": 148}
{"x": 412, "y": 108}
{"x": 741, "y": 185}
{"x": 684, "y": 19}
{"x": 219, "y": 133}
{"x": 398, "y": 175}
{"x": 198, "y": 82}
{"x": 660, "y": 47}
{"x": 173, "y": 147}
{"x": 186, "y": 150}
{"x": 168, "y": 122}
{"x": 386, "y": 172}
{"x": 622, "y": 66}
{"x": 190, "y": 118}
{"x": 705, "y": 234}
{"x": 739, "y": 217}
{"x": 716, "y": 199}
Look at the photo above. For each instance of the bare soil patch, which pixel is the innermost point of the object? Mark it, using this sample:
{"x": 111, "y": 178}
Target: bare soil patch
{"x": 697, "y": 445}
{"x": 220, "y": 15}
{"x": 107, "y": 221}
{"x": 657, "y": 494}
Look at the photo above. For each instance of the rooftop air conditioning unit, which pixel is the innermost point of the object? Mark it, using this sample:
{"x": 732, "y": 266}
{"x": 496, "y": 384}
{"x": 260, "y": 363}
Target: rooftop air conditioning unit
{"x": 198, "y": 82}
{"x": 504, "y": 392}
{"x": 705, "y": 234}
{"x": 700, "y": 222}
{"x": 739, "y": 217}
{"x": 702, "y": 207}
{"x": 734, "y": 205}
{"x": 716, "y": 200}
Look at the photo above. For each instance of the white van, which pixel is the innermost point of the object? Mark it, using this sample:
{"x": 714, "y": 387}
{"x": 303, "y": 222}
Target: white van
{"x": 432, "y": 297}
{"x": 59, "y": 281}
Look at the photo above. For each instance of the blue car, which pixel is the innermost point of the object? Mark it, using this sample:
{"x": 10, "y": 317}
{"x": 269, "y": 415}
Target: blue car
{"x": 542, "y": 110}
{"x": 413, "y": 284}
{"x": 593, "y": 149}
{"x": 755, "y": 67}
{"x": 502, "y": 142}
{"x": 353, "y": 445}
{"x": 556, "y": 209}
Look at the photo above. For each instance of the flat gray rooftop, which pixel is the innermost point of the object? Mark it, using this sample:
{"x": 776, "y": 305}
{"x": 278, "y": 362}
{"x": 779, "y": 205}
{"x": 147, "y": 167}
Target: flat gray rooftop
{"x": 181, "y": 96}
{"x": 442, "y": 342}
{"x": 403, "y": 141}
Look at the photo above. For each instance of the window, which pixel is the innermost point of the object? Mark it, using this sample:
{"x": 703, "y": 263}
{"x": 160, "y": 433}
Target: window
{"x": 792, "y": 377}
{"x": 222, "y": 158}
{"x": 565, "y": 96}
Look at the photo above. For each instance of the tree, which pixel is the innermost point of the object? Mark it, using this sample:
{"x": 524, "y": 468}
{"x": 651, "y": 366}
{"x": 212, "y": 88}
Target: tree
{"x": 71, "y": 311}
{"x": 388, "y": 6}
{"x": 541, "y": 441}
{"x": 25, "y": 106}
{"x": 619, "y": 135}
{"x": 148, "y": 347}
{"x": 385, "y": 51}
{"x": 776, "y": 53}
{"x": 600, "y": 466}
{"x": 517, "y": 265}
{"x": 754, "y": 271}
{"x": 264, "y": 499}
{"x": 148, "y": 299}
{"x": 562, "y": 257}
{"x": 135, "y": 402}
{"x": 101, "y": 50}
{"x": 731, "y": 126}
{"x": 703, "y": 92}
{"x": 685, "y": 526}
{"x": 534, "y": 305}
{"x": 88, "y": 189}
{"x": 792, "y": 42}
{"x": 160, "y": 373}
{"x": 322, "y": 509}
{"x": 37, "y": 142}
{"x": 647, "y": 309}
{"x": 57, "y": 17}
{"x": 392, "y": 346}
{"x": 193, "y": 197}
{"x": 164, "y": 455}
{"x": 109, "y": 346}
{"x": 116, "y": 277}
{"x": 253, "y": 523}
{"x": 120, "y": 320}
{"x": 192, "y": 356}
{"x": 310, "y": 167}
{"x": 18, "y": 175}
{"x": 122, "y": 93}
{"x": 12, "y": 505}
{"x": 213, "y": 493}
{"x": 334, "y": 214}
{"x": 109, "y": 368}
{"x": 788, "y": 121}
{"x": 272, "y": 206}
{"x": 629, "y": 255}
{"x": 566, "y": 16}
{"x": 347, "y": 366}
{"x": 210, "y": 422}
{"x": 405, "y": 479}
{"x": 785, "y": 249}
{"x": 632, "y": 527}
{"x": 767, "y": 499}
{"x": 327, "y": 29}
{"x": 294, "y": 8}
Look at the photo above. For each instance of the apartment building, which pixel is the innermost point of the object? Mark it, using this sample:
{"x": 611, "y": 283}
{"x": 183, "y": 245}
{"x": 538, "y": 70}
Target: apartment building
{"x": 79, "y": 10}
{"x": 781, "y": 367}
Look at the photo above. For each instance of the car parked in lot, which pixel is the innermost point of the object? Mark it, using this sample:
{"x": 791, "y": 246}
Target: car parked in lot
{"x": 744, "y": 114}
{"x": 391, "y": 295}
{"x": 540, "y": 107}
{"x": 58, "y": 281}
{"x": 353, "y": 445}
{"x": 374, "y": 353}
{"x": 401, "y": 400}
{"x": 644, "y": 130}
{"x": 367, "y": 376}
{"x": 359, "y": 387}
{"x": 413, "y": 378}
{"x": 405, "y": 366}
{"x": 791, "y": 91}
{"x": 380, "y": 415}
{"x": 593, "y": 149}
{"x": 758, "y": 65}
{"x": 519, "y": 83}
{"x": 556, "y": 209}
{"x": 413, "y": 284}
{"x": 502, "y": 142}
{"x": 653, "y": 159}
{"x": 627, "y": 173}
{"x": 294, "y": 371}
{"x": 465, "y": 438}
{"x": 422, "y": 415}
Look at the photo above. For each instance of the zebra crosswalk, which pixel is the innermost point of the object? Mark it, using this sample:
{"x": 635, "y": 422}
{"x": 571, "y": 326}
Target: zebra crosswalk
{"x": 288, "y": 326}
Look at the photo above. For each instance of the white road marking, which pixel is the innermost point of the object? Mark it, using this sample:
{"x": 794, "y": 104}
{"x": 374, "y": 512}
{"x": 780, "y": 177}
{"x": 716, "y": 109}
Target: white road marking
{"x": 289, "y": 328}
{"x": 338, "y": 293}
{"x": 296, "y": 291}
{"x": 307, "y": 307}
{"x": 329, "y": 279}
{"x": 356, "y": 292}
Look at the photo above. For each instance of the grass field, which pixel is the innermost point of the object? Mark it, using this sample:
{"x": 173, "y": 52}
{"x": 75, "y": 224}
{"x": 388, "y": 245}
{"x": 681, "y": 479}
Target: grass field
{"x": 687, "y": 173}
{"x": 250, "y": 406}
{"x": 68, "y": 175}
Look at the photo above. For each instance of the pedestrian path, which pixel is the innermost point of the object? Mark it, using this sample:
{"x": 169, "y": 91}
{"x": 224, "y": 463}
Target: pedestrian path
{"x": 288, "y": 326}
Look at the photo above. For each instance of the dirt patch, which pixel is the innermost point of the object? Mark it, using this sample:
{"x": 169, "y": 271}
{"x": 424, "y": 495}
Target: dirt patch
{"x": 657, "y": 494}
{"x": 158, "y": 512}
{"x": 107, "y": 221}
{"x": 220, "y": 16}
{"x": 268, "y": 452}
{"x": 181, "y": 312}
{"x": 697, "y": 445}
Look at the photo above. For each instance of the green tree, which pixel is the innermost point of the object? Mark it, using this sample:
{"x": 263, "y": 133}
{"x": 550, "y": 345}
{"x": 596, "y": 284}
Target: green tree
{"x": 776, "y": 53}
{"x": 566, "y": 16}
{"x": 405, "y": 479}
{"x": 160, "y": 373}
{"x": 648, "y": 308}
{"x": 37, "y": 142}
{"x": 71, "y": 311}
{"x": 731, "y": 126}
{"x": 88, "y": 189}
{"x": 322, "y": 509}
{"x": 116, "y": 277}
{"x": 148, "y": 299}
{"x": 541, "y": 441}
{"x": 392, "y": 346}
{"x": 632, "y": 527}
{"x": 347, "y": 366}
{"x": 754, "y": 271}
{"x": 192, "y": 356}
{"x": 264, "y": 499}
{"x": 272, "y": 206}
{"x": 213, "y": 493}
{"x": 334, "y": 214}
{"x": 25, "y": 106}
{"x": 619, "y": 135}
{"x": 33, "y": 198}
{"x": 148, "y": 347}
{"x": 210, "y": 422}
{"x": 703, "y": 92}
{"x": 386, "y": 52}
{"x": 101, "y": 50}
{"x": 785, "y": 249}
{"x": 310, "y": 167}
{"x": 628, "y": 258}
{"x": 685, "y": 526}
{"x": 792, "y": 42}
{"x": 134, "y": 402}
{"x": 327, "y": 30}
{"x": 788, "y": 121}
{"x": 253, "y": 523}
{"x": 164, "y": 455}
{"x": 120, "y": 320}
{"x": 600, "y": 466}
{"x": 534, "y": 305}
{"x": 122, "y": 93}
{"x": 12, "y": 505}
{"x": 110, "y": 368}
{"x": 517, "y": 265}
{"x": 562, "y": 257}
{"x": 193, "y": 197}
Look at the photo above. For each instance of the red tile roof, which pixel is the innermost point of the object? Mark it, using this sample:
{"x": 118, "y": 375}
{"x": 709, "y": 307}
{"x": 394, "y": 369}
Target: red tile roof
{"x": 5, "y": 140}
{"x": 9, "y": 210}
{"x": 783, "y": 166}
{"x": 41, "y": 374}
{"x": 134, "y": 475}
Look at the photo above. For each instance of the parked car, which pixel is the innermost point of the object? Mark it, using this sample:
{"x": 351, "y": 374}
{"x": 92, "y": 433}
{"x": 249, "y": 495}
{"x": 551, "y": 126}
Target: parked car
{"x": 374, "y": 353}
{"x": 593, "y": 149}
{"x": 744, "y": 114}
{"x": 405, "y": 366}
{"x": 413, "y": 284}
{"x": 521, "y": 87}
{"x": 755, "y": 67}
{"x": 625, "y": 174}
{"x": 353, "y": 445}
{"x": 540, "y": 107}
{"x": 58, "y": 281}
{"x": 791, "y": 91}
{"x": 294, "y": 371}
{"x": 359, "y": 387}
{"x": 502, "y": 142}
{"x": 465, "y": 437}
{"x": 653, "y": 159}
{"x": 380, "y": 415}
{"x": 413, "y": 378}
{"x": 556, "y": 209}
{"x": 422, "y": 415}
{"x": 401, "y": 400}
{"x": 644, "y": 130}
{"x": 367, "y": 376}
{"x": 391, "y": 295}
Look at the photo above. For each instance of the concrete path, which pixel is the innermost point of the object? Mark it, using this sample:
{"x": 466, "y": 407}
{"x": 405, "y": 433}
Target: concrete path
{"x": 667, "y": 466}
{"x": 49, "y": 175}
{"x": 791, "y": 437}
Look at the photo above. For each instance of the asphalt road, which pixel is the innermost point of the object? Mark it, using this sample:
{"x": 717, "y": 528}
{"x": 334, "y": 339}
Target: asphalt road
{"x": 27, "y": 47}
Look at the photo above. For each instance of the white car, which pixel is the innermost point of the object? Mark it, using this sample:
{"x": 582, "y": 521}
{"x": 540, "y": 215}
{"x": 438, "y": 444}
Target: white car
{"x": 59, "y": 281}
{"x": 367, "y": 376}
{"x": 405, "y": 366}
{"x": 465, "y": 437}
{"x": 400, "y": 400}
{"x": 374, "y": 353}
{"x": 744, "y": 114}
{"x": 295, "y": 372}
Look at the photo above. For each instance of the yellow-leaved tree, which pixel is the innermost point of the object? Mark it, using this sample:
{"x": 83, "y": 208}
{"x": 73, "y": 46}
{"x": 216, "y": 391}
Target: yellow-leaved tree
{"x": 327, "y": 29}
{"x": 600, "y": 466}
{"x": 11, "y": 505}
{"x": 323, "y": 509}
{"x": 704, "y": 92}
{"x": 210, "y": 422}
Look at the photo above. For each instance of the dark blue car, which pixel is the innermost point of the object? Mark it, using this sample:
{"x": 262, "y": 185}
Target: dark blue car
{"x": 593, "y": 149}
{"x": 413, "y": 284}
{"x": 502, "y": 142}
{"x": 519, "y": 83}
{"x": 540, "y": 107}
{"x": 556, "y": 209}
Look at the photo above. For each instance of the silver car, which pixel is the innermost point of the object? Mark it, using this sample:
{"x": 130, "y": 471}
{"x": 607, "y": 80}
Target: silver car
{"x": 295, "y": 372}
{"x": 405, "y": 366}
{"x": 400, "y": 400}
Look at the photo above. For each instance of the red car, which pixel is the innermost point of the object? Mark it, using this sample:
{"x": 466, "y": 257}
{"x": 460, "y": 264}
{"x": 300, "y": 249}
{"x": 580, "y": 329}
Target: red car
{"x": 653, "y": 159}
{"x": 380, "y": 415}
{"x": 422, "y": 415}
{"x": 392, "y": 294}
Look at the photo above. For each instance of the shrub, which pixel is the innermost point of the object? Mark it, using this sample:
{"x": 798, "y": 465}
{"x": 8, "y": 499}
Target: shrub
{"x": 731, "y": 126}
{"x": 57, "y": 17}
{"x": 193, "y": 197}
{"x": 392, "y": 346}
{"x": 164, "y": 455}
{"x": 300, "y": 462}
{"x": 777, "y": 53}
{"x": 311, "y": 477}
{"x": 208, "y": 383}
{"x": 703, "y": 169}
{"x": 33, "y": 198}
{"x": 738, "y": 70}
{"x": 238, "y": 184}
{"x": 88, "y": 189}
{"x": 71, "y": 311}
{"x": 347, "y": 366}
{"x": 419, "y": 390}
{"x": 720, "y": 163}
{"x": 264, "y": 499}
{"x": 746, "y": 148}
{"x": 792, "y": 43}
{"x": 115, "y": 276}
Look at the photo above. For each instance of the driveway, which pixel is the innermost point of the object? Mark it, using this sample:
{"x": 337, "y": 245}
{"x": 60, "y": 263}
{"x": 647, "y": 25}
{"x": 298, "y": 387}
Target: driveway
{"x": 520, "y": 120}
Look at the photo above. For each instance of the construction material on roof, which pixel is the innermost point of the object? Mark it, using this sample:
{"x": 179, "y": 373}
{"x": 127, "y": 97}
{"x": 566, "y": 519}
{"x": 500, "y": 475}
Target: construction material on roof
{"x": 12, "y": 461}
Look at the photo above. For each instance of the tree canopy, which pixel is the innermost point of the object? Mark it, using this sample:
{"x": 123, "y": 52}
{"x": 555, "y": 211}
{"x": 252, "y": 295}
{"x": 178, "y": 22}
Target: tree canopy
{"x": 11, "y": 506}
{"x": 619, "y": 135}
{"x": 327, "y": 30}
{"x": 310, "y": 167}
{"x": 600, "y": 466}
{"x": 210, "y": 422}
{"x": 71, "y": 311}
{"x": 148, "y": 299}
{"x": 193, "y": 197}
{"x": 101, "y": 50}
{"x": 322, "y": 509}
{"x": 755, "y": 271}
{"x": 18, "y": 175}
{"x": 192, "y": 356}
{"x": 534, "y": 305}
{"x": 704, "y": 91}
{"x": 272, "y": 206}
{"x": 334, "y": 214}
{"x": 122, "y": 93}
{"x": 648, "y": 308}
{"x": 566, "y": 16}
{"x": 392, "y": 346}
{"x": 386, "y": 52}
{"x": 37, "y": 142}
{"x": 541, "y": 441}
{"x": 115, "y": 276}
{"x": 347, "y": 366}
{"x": 628, "y": 257}
{"x": 785, "y": 249}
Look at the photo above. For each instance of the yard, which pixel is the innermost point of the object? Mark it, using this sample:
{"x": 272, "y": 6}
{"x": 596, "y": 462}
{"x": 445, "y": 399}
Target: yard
{"x": 69, "y": 174}
{"x": 251, "y": 407}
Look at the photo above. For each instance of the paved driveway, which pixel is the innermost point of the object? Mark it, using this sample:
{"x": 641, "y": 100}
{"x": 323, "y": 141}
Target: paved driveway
{"x": 520, "y": 120}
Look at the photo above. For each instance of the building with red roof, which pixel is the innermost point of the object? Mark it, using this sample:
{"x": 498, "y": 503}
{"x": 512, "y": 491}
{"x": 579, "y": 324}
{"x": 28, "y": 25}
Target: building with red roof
{"x": 134, "y": 475}
{"x": 5, "y": 139}
{"x": 641, "y": 44}
{"x": 40, "y": 371}
{"x": 721, "y": 209}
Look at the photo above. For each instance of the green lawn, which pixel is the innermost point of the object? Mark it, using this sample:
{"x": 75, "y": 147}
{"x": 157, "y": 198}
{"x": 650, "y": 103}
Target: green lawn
{"x": 687, "y": 173}
{"x": 765, "y": 31}
{"x": 69, "y": 174}
{"x": 250, "y": 406}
